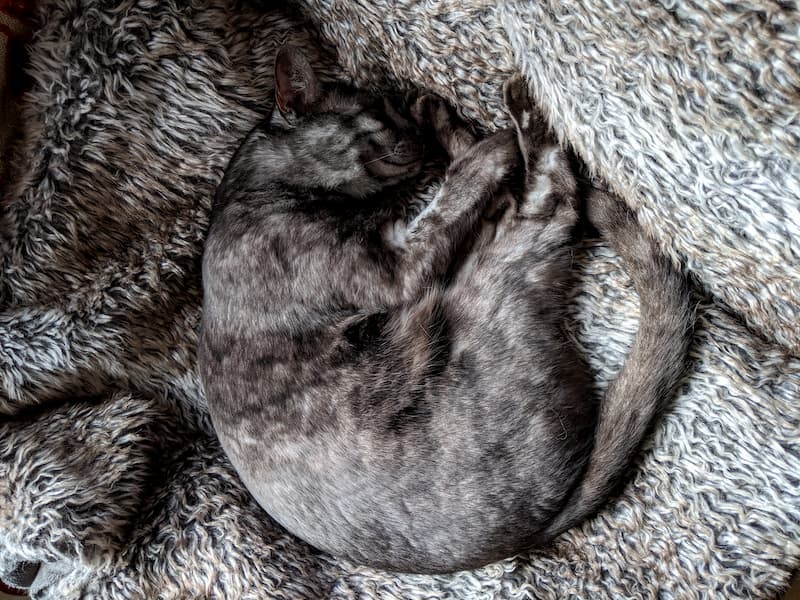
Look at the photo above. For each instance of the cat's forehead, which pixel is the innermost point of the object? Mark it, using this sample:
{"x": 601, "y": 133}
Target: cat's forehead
{"x": 349, "y": 101}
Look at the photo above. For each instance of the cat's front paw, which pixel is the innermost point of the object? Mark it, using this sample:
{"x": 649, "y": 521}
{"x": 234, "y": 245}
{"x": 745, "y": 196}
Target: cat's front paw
{"x": 432, "y": 113}
{"x": 428, "y": 109}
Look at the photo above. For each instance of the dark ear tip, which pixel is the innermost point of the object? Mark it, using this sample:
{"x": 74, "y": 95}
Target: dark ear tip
{"x": 284, "y": 50}
{"x": 290, "y": 52}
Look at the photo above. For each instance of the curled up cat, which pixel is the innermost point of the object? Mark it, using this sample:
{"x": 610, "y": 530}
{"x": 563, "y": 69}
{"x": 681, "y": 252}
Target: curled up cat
{"x": 399, "y": 391}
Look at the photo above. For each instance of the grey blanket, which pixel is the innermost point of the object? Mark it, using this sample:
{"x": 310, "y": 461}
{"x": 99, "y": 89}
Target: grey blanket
{"x": 110, "y": 474}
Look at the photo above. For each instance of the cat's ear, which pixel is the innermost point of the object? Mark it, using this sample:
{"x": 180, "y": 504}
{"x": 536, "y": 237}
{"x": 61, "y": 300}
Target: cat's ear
{"x": 296, "y": 85}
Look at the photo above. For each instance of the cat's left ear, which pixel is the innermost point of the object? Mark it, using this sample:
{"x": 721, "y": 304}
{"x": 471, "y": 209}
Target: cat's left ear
{"x": 296, "y": 85}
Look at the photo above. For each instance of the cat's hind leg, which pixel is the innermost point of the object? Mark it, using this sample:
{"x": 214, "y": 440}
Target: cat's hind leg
{"x": 550, "y": 186}
{"x": 539, "y": 225}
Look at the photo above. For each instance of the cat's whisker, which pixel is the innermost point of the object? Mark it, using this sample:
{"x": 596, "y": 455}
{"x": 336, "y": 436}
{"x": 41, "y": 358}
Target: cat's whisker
{"x": 390, "y": 154}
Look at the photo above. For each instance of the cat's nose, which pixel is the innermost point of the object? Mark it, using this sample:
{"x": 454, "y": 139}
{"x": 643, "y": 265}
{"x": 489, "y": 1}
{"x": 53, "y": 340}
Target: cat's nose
{"x": 408, "y": 150}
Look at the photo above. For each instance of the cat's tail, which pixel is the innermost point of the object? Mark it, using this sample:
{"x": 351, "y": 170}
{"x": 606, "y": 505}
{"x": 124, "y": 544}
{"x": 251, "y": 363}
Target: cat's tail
{"x": 652, "y": 369}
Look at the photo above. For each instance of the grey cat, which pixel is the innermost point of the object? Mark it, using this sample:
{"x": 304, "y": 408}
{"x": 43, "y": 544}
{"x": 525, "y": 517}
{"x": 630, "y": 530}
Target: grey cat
{"x": 400, "y": 391}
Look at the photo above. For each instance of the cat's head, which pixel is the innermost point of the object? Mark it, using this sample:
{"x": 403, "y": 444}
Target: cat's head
{"x": 360, "y": 142}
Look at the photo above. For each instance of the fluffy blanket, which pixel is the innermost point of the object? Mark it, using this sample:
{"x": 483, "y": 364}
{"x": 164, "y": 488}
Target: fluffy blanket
{"x": 110, "y": 475}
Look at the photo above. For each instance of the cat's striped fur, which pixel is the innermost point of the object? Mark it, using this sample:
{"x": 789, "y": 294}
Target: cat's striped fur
{"x": 402, "y": 393}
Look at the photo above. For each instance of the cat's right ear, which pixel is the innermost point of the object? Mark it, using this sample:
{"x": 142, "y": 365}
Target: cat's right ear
{"x": 296, "y": 85}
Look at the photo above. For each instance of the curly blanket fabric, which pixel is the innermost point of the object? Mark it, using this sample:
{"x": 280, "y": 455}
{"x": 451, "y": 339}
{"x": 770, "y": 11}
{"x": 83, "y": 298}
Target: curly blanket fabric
{"x": 110, "y": 474}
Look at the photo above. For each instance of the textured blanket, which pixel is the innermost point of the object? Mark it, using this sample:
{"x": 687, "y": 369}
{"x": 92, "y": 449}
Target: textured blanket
{"x": 110, "y": 475}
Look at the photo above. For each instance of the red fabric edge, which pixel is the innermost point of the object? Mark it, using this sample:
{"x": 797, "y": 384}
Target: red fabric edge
{"x": 7, "y": 589}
